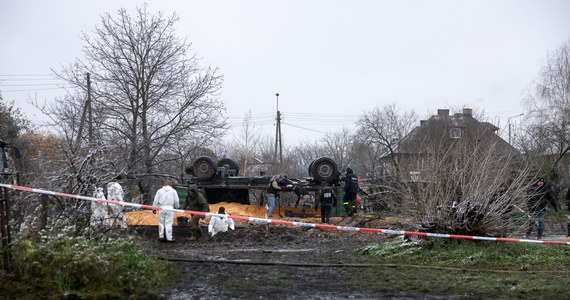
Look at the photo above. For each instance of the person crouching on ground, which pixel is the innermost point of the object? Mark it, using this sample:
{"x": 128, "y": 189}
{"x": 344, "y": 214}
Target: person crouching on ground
{"x": 302, "y": 195}
{"x": 195, "y": 201}
{"x": 166, "y": 198}
{"x": 220, "y": 224}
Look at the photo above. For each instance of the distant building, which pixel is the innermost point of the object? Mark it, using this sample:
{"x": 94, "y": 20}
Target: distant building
{"x": 439, "y": 136}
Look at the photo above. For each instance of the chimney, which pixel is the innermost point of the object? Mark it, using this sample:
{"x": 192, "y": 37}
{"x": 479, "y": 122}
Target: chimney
{"x": 443, "y": 112}
{"x": 468, "y": 112}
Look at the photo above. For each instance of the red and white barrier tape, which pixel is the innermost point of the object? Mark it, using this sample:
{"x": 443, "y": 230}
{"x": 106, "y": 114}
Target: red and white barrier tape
{"x": 262, "y": 220}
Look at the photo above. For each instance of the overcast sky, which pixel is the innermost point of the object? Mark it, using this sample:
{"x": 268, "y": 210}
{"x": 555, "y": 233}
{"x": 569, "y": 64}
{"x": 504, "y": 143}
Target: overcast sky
{"x": 330, "y": 61}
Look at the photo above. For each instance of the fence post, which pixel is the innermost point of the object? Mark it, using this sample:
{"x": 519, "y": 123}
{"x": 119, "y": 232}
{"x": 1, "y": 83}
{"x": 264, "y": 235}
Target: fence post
{"x": 5, "y": 229}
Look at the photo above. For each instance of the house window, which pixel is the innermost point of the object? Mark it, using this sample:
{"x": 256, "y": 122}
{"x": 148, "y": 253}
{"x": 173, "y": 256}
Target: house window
{"x": 455, "y": 133}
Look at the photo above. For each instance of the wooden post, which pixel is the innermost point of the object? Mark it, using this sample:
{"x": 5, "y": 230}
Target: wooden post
{"x": 5, "y": 229}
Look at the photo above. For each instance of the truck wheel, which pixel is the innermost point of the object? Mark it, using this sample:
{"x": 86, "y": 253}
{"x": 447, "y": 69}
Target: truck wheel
{"x": 324, "y": 169}
{"x": 204, "y": 168}
{"x": 229, "y": 164}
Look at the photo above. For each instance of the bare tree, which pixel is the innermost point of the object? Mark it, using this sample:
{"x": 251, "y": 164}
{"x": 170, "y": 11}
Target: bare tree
{"x": 339, "y": 146}
{"x": 546, "y": 133}
{"x": 150, "y": 98}
{"x": 247, "y": 144}
{"x": 457, "y": 190}
{"x": 383, "y": 128}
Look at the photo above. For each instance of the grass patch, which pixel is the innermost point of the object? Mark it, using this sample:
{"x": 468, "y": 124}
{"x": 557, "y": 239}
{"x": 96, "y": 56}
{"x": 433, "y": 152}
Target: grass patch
{"x": 478, "y": 264}
{"x": 58, "y": 263}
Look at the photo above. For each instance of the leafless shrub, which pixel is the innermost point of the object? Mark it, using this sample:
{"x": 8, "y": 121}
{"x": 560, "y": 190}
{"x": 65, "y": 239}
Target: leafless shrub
{"x": 455, "y": 188}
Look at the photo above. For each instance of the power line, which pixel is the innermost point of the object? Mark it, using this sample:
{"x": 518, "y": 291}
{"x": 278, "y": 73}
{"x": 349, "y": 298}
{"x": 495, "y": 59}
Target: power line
{"x": 32, "y": 90}
{"x": 22, "y": 75}
{"x": 31, "y": 79}
{"x": 321, "y": 121}
{"x": 327, "y": 115}
{"x": 321, "y": 118}
{"x": 297, "y": 114}
{"x": 305, "y": 128}
{"x": 29, "y": 84}
{"x": 254, "y": 116}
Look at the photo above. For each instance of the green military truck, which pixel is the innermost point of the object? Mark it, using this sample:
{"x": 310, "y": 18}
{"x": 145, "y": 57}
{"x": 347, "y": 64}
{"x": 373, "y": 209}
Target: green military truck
{"x": 221, "y": 183}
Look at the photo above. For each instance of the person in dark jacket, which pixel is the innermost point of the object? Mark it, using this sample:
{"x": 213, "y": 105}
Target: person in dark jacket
{"x": 350, "y": 191}
{"x": 538, "y": 197}
{"x": 195, "y": 201}
{"x": 301, "y": 193}
{"x": 272, "y": 193}
{"x": 327, "y": 199}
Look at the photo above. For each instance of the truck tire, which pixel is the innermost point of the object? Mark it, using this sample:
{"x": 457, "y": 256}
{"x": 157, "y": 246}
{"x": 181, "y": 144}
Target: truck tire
{"x": 204, "y": 168}
{"x": 229, "y": 164}
{"x": 324, "y": 169}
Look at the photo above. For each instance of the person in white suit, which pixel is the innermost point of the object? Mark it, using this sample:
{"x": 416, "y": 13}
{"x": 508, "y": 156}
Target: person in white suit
{"x": 98, "y": 209}
{"x": 115, "y": 212}
{"x": 220, "y": 224}
{"x": 166, "y": 198}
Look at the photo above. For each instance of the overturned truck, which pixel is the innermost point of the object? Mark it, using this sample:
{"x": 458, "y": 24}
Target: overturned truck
{"x": 221, "y": 183}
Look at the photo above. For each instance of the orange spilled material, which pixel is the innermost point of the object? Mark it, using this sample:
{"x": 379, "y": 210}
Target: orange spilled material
{"x": 146, "y": 217}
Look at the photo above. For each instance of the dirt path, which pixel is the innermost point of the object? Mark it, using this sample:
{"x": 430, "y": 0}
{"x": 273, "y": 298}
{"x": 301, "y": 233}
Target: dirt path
{"x": 291, "y": 263}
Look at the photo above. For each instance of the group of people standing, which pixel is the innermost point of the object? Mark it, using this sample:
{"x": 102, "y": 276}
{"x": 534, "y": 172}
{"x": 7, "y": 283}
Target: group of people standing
{"x": 325, "y": 197}
{"x": 538, "y": 197}
{"x": 109, "y": 214}
{"x": 167, "y": 198}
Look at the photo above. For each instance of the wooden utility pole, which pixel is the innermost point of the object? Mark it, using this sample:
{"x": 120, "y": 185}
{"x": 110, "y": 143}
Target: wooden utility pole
{"x": 278, "y": 146}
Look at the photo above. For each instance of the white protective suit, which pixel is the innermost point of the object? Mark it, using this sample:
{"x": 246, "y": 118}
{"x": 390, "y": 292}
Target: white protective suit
{"x": 98, "y": 209}
{"x": 166, "y": 198}
{"x": 115, "y": 193}
{"x": 219, "y": 224}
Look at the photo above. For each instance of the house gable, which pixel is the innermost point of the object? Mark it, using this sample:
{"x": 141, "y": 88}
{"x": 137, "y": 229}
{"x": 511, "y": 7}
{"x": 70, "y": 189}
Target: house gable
{"x": 443, "y": 130}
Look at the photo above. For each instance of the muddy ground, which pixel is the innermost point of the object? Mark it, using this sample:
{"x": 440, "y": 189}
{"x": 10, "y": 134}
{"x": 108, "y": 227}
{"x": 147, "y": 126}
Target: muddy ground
{"x": 288, "y": 263}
